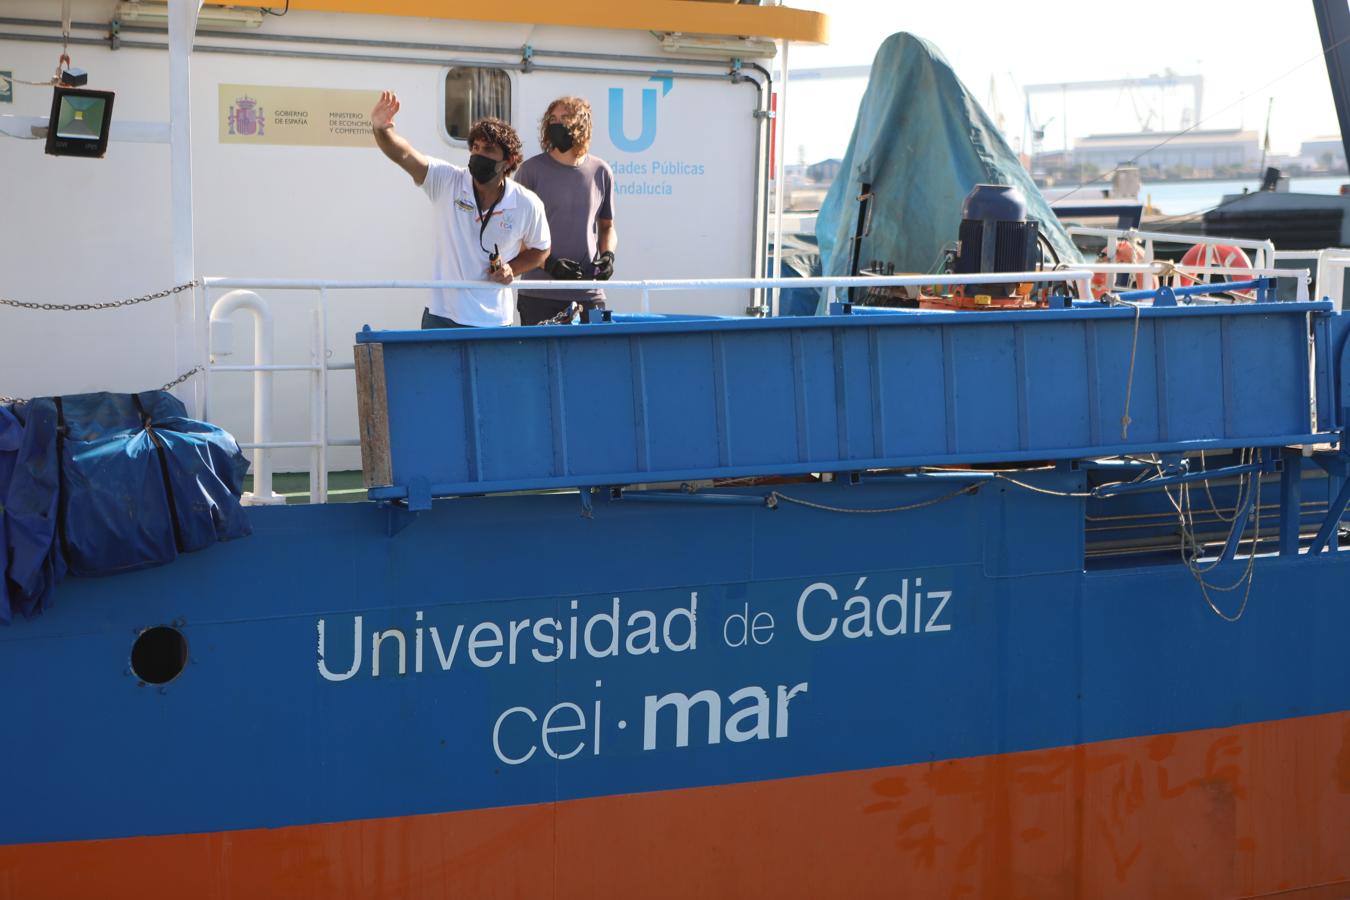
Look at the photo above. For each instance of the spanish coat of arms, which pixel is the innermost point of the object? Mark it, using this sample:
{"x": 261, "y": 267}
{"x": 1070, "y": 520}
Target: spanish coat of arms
{"x": 246, "y": 117}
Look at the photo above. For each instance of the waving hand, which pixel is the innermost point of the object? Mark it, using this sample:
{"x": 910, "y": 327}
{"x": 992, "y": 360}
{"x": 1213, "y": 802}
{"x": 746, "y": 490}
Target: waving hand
{"x": 391, "y": 142}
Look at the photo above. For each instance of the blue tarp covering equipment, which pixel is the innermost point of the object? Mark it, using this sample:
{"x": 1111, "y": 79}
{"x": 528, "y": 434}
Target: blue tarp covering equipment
{"x": 96, "y": 484}
{"x": 922, "y": 142}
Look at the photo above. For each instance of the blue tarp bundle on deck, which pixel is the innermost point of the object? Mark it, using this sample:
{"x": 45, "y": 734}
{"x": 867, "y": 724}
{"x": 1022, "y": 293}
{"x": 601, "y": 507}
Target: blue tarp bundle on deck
{"x": 922, "y": 142}
{"x": 96, "y": 484}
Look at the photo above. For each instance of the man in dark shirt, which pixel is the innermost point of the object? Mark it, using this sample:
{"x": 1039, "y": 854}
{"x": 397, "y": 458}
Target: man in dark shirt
{"x": 578, "y": 194}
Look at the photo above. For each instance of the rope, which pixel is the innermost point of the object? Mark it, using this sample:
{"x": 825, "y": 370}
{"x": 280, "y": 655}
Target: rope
{"x": 1186, "y": 518}
{"x": 1040, "y": 490}
{"x": 10, "y": 78}
{"x": 1166, "y": 269}
{"x": 1125, "y": 419}
{"x": 1214, "y": 507}
{"x": 772, "y": 498}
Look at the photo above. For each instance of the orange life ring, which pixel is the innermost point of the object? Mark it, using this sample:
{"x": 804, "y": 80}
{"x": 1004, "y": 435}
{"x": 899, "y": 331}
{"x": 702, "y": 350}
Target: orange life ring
{"x": 1126, "y": 252}
{"x": 1225, "y": 256}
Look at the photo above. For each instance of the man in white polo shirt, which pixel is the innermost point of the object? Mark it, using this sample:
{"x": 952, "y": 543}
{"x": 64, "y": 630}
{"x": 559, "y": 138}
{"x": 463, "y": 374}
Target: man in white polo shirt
{"x": 489, "y": 227}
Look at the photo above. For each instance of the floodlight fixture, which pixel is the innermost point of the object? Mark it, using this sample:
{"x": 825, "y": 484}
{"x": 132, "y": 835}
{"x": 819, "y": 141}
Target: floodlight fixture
{"x": 146, "y": 12}
{"x": 79, "y": 122}
{"x": 718, "y": 46}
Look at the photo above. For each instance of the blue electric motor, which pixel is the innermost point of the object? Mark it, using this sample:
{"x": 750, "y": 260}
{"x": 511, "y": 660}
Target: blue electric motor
{"x": 996, "y": 235}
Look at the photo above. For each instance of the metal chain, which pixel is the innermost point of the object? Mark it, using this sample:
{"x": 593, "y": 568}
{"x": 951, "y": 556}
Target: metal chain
{"x": 564, "y": 316}
{"x": 112, "y": 304}
{"x": 182, "y": 378}
{"x": 168, "y": 387}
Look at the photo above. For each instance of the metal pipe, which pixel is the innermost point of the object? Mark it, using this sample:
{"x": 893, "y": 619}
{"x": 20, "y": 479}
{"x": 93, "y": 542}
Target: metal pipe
{"x": 666, "y": 284}
{"x": 1153, "y": 484}
{"x": 363, "y": 42}
{"x": 182, "y": 24}
{"x": 284, "y": 367}
{"x": 1197, "y": 289}
{"x": 780, "y": 180}
{"x": 1167, "y": 237}
{"x": 262, "y": 493}
{"x": 760, "y": 179}
{"x": 761, "y": 176}
{"x": 387, "y": 60}
{"x": 276, "y": 445}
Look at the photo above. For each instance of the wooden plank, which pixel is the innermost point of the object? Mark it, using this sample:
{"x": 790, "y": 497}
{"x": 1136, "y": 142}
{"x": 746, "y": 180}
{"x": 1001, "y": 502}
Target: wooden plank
{"x": 372, "y": 412}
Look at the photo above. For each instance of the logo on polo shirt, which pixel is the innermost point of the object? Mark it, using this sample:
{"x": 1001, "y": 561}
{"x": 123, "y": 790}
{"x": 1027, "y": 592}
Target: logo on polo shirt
{"x": 465, "y": 205}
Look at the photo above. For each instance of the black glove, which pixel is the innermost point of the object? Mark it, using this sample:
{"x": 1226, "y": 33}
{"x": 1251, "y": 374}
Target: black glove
{"x": 604, "y": 265}
{"x": 560, "y": 268}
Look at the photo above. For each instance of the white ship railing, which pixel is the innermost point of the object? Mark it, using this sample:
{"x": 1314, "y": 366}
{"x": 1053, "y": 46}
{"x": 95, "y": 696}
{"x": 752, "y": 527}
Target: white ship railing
{"x": 1262, "y": 258}
{"x": 242, "y": 293}
{"x": 1329, "y": 277}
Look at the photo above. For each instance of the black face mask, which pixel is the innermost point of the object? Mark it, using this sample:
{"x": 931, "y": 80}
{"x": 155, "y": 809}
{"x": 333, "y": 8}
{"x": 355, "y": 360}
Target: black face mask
{"x": 483, "y": 168}
{"x": 559, "y": 136}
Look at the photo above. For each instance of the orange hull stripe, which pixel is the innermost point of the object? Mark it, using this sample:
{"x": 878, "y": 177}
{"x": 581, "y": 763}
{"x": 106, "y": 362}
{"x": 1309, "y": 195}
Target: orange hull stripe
{"x": 1250, "y": 811}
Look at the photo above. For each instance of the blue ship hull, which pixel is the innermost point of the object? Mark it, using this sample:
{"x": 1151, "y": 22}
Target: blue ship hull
{"x": 754, "y": 645}
{"x": 1120, "y": 673}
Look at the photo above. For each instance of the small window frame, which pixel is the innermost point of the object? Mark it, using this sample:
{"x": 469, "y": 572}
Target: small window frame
{"x": 513, "y": 103}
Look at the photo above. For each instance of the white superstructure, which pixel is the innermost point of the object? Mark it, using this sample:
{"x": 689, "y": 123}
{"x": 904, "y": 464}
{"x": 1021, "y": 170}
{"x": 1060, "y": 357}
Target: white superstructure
{"x": 687, "y": 137}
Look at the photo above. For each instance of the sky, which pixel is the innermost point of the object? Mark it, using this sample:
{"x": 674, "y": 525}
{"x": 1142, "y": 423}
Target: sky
{"x": 1245, "y": 50}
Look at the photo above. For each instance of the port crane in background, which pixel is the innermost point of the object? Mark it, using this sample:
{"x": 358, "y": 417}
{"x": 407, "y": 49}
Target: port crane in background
{"x": 1168, "y": 79}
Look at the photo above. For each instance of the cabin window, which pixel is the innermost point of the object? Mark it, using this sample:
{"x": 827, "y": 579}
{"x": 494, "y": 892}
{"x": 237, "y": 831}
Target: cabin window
{"x": 471, "y": 93}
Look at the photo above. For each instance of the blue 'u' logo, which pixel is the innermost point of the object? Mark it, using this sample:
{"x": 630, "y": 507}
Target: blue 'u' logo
{"x": 617, "y": 133}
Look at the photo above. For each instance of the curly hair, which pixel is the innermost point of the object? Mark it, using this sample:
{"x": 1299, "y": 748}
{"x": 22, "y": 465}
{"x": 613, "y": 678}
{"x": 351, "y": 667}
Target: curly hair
{"x": 580, "y": 129}
{"x": 491, "y": 130}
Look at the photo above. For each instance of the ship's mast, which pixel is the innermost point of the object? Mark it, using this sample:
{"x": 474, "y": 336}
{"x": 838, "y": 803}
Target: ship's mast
{"x": 1333, "y": 23}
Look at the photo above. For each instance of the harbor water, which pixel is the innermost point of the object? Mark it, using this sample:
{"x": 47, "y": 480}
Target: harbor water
{"x": 1176, "y": 198}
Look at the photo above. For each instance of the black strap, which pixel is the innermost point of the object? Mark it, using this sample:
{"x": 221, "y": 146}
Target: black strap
{"x": 162, "y": 453}
{"x": 61, "y": 491}
{"x": 487, "y": 217}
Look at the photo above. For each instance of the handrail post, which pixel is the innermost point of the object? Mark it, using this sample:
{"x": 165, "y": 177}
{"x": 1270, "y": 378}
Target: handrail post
{"x": 222, "y": 345}
{"x": 315, "y": 404}
{"x": 322, "y": 437}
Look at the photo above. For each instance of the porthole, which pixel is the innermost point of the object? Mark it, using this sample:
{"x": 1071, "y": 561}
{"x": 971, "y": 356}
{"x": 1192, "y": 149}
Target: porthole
{"x": 159, "y": 654}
